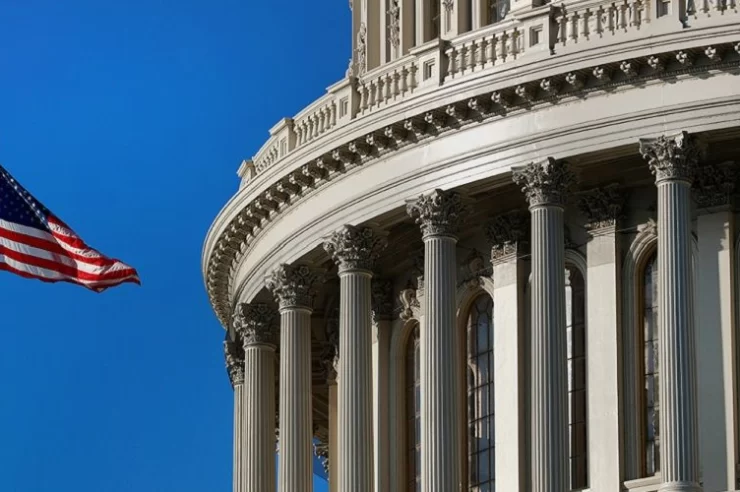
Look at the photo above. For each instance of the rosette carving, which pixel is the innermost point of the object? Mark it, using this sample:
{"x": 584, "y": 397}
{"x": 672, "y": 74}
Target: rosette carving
{"x": 672, "y": 157}
{"x": 234, "y": 355}
{"x": 256, "y": 324}
{"x": 507, "y": 233}
{"x": 602, "y": 206}
{"x": 355, "y": 248}
{"x": 438, "y": 213}
{"x": 294, "y": 285}
{"x": 545, "y": 183}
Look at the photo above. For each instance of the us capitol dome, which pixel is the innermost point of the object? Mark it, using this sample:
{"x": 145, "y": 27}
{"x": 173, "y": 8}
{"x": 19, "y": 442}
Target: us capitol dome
{"x": 499, "y": 255}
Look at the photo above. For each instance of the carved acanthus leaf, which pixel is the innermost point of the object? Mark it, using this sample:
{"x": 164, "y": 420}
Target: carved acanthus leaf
{"x": 354, "y": 247}
{"x": 256, "y": 324}
{"x": 672, "y": 157}
{"x": 382, "y": 299}
{"x": 438, "y": 213}
{"x": 714, "y": 185}
{"x": 294, "y": 285}
{"x": 234, "y": 355}
{"x": 602, "y": 206}
{"x": 506, "y": 233}
{"x": 546, "y": 182}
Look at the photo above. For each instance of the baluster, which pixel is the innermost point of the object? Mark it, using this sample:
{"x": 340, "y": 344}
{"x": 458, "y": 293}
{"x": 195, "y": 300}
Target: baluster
{"x": 501, "y": 47}
{"x": 512, "y": 42}
{"x": 413, "y": 82}
{"x": 623, "y": 15}
{"x": 404, "y": 80}
{"x": 490, "y": 51}
{"x": 451, "y": 62}
{"x": 396, "y": 76}
{"x": 388, "y": 86}
{"x": 583, "y": 32}
{"x": 473, "y": 61}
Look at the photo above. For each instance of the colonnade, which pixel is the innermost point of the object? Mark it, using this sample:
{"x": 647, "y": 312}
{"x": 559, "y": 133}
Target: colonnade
{"x": 546, "y": 186}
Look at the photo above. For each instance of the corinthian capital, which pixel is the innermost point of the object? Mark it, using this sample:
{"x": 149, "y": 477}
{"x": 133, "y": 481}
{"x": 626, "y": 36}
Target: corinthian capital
{"x": 256, "y": 324}
{"x": 602, "y": 206}
{"x": 506, "y": 233}
{"x": 294, "y": 285}
{"x": 438, "y": 213}
{"x": 672, "y": 157}
{"x": 355, "y": 247}
{"x": 546, "y": 182}
{"x": 234, "y": 355}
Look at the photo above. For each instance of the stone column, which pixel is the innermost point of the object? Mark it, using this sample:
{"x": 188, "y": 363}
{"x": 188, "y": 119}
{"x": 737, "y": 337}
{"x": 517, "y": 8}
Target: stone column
{"x": 293, "y": 287}
{"x": 256, "y": 325}
{"x": 673, "y": 161}
{"x": 508, "y": 236}
{"x": 382, "y": 295}
{"x": 716, "y": 375}
{"x": 355, "y": 250}
{"x": 439, "y": 214}
{"x": 602, "y": 208}
{"x": 234, "y": 355}
{"x": 545, "y": 185}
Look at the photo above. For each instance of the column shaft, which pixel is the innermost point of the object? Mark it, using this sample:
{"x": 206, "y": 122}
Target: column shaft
{"x": 238, "y": 479}
{"x": 296, "y": 449}
{"x": 678, "y": 420}
{"x": 355, "y": 383}
{"x": 259, "y": 419}
{"x": 440, "y": 450}
{"x": 549, "y": 353}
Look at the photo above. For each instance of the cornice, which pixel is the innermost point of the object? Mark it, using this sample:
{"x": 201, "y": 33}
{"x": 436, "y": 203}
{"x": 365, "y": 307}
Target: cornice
{"x": 227, "y": 242}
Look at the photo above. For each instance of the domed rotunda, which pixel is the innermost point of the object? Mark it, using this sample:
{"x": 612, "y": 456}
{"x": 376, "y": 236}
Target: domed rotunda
{"x": 499, "y": 255}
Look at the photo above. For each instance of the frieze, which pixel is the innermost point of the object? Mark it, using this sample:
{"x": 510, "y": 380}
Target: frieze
{"x": 672, "y": 157}
{"x": 223, "y": 259}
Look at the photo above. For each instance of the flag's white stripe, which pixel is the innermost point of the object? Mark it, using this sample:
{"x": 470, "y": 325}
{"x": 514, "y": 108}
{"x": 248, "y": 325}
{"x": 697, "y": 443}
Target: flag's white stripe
{"x": 46, "y": 236}
{"x": 62, "y": 259}
{"x": 53, "y": 275}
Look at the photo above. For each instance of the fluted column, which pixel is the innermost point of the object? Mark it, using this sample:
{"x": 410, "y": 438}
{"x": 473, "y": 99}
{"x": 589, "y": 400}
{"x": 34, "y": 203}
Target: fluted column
{"x": 293, "y": 287}
{"x": 256, "y": 325}
{"x": 545, "y": 185}
{"x": 673, "y": 160}
{"x": 439, "y": 214}
{"x": 234, "y": 355}
{"x": 355, "y": 250}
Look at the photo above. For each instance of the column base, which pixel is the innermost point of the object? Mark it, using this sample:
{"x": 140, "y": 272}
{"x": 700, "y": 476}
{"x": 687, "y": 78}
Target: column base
{"x": 680, "y": 487}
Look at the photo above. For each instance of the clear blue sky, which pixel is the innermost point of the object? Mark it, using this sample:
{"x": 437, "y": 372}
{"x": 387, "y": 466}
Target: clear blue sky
{"x": 129, "y": 120}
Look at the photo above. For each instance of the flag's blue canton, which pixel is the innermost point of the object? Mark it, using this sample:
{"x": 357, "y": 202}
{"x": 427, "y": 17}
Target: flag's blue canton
{"x": 17, "y": 205}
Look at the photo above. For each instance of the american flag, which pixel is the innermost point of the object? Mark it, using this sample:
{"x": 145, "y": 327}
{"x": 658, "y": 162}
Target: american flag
{"x": 36, "y": 244}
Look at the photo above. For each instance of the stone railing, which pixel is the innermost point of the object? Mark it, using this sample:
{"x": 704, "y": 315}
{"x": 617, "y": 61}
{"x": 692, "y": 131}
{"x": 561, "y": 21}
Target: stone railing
{"x": 521, "y": 40}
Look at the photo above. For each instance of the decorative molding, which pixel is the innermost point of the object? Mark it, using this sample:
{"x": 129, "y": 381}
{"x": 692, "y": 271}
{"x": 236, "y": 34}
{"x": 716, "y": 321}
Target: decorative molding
{"x": 355, "y": 248}
{"x": 234, "y": 355}
{"x": 361, "y": 51}
{"x": 256, "y": 324}
{"x": 672, "y": 157}
{"x": 601, "y": 206}
{"x": 228, "y": 250}
{"x": 438, "y": 213}
{"x": 714, "y": 185}
{"x": 382, "y": 299}
{"x": 473, "y": 269}
{"x": 409, "y": 301}
{"x": 507, "y": 233}
{"x": 546, "y": 182}
{"x": 294, "y": 285}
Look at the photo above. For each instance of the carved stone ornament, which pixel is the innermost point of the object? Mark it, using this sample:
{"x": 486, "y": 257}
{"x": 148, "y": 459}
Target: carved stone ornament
{"x": 354, "y": 248}
{"x": 506, "y": 233}
{"x": 382, "y": 299}
{"x": 448, "y": 5}
{"x": 361, "y": 51}
{"x": 672, "y": 157}
{"x": 472, "y": 269}
{"x": 602, "y": 206}
{"x": 408, "y": 302}
{"x": 256, "y": 324}
{"x": 714, "y": 185}
{"x": 293, "y": 285}
{"x": 438, "y": 213}
{"x": 330, "y": 357}
{"x": 394, "y": 24}
{"x": 234, "y": 355}
{"x": 546, "y": 182}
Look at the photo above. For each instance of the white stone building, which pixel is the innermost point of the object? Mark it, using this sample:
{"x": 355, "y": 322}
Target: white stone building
{"x": 499, "y": 255}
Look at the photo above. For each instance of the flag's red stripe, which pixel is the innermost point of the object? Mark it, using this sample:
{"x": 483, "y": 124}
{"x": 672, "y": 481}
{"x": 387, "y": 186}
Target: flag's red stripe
{"x": 92, "y": 286}
{"x": 64, "y": 269}
{"x": 52, "y": 247}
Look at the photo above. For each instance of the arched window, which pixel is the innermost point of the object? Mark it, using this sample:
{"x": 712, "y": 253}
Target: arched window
{"x": 413, "y": 413}
{"x": 480, "y": 436}
{"x": 575, "y": 310}
{"x": 649, "y": 342}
